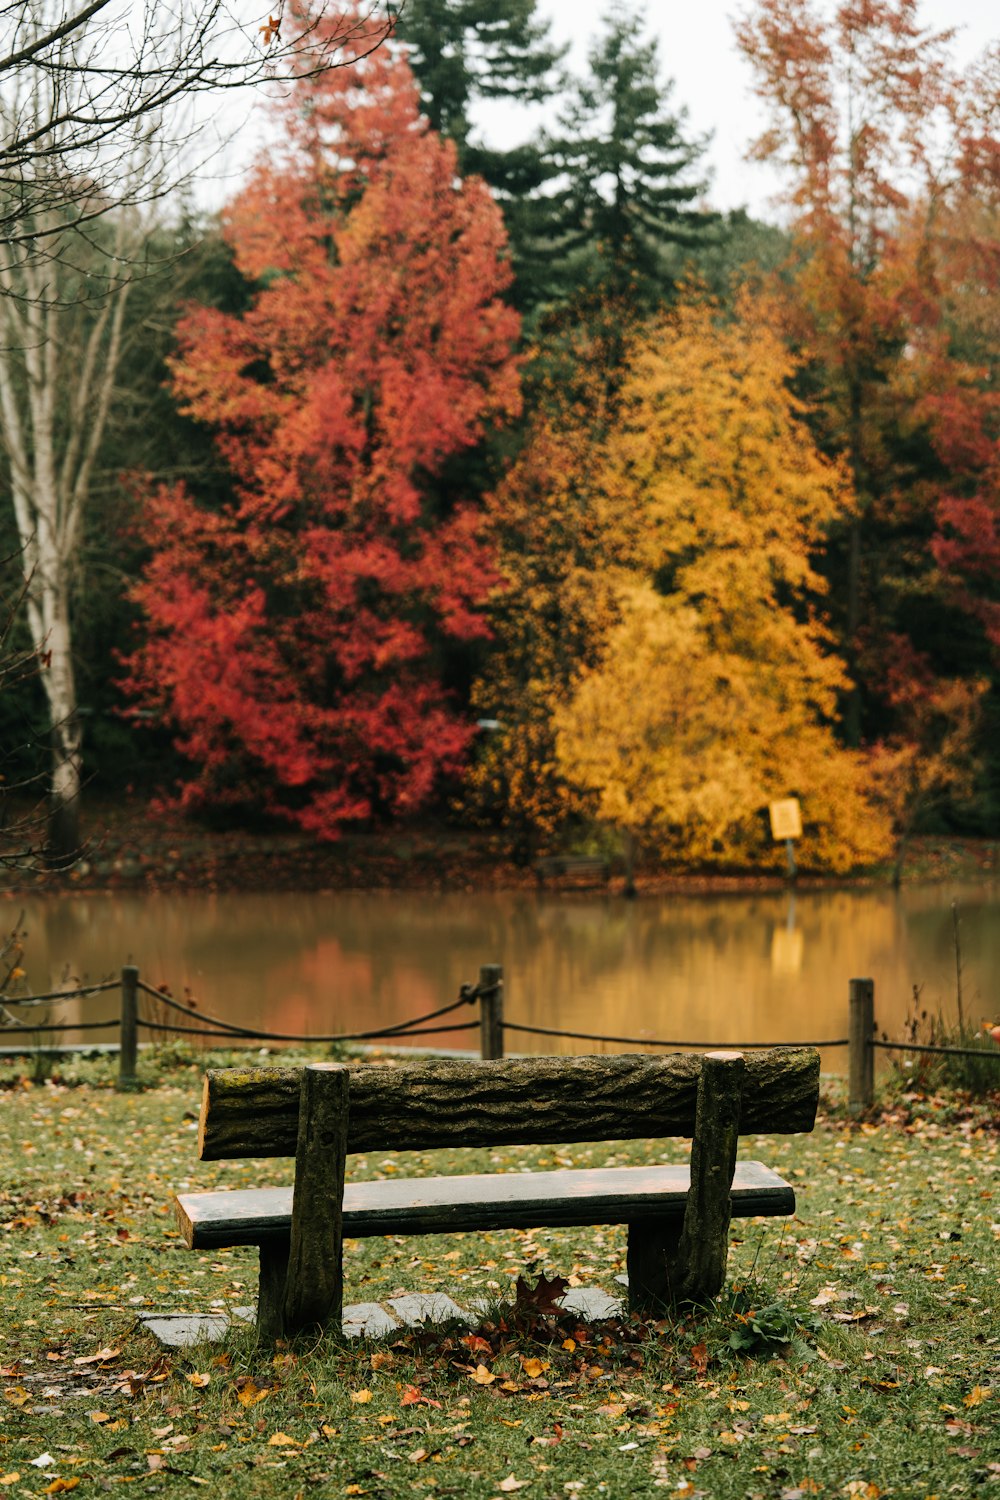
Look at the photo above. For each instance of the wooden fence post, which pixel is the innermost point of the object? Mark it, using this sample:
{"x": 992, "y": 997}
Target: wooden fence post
{"x": 491, "y": 1011}
{"x": 129, "y": 1036}
{"x": 861, "y": 1031}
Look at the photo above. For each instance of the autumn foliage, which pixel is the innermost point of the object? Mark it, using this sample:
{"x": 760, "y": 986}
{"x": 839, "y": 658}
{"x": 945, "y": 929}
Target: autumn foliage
{"x": 295, "y": 634}
{"x": 718, "y": 690}
{"x": 889, "y": 156}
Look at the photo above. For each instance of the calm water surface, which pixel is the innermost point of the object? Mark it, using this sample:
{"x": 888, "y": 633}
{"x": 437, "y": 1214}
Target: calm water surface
{"x": 716, "y": 969}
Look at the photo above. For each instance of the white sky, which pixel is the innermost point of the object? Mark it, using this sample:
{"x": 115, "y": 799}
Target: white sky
{"x": 697, "y": 50}
{"x": 710, "y": 78}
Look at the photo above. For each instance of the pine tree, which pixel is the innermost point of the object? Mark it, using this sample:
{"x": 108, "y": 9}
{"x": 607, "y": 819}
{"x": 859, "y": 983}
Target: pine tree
{"x": 463, "y": 51}
{"x": 630, "y": 169}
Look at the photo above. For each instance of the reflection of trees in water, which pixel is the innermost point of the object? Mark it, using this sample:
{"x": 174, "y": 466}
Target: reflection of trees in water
{"x": 719, "y": 968}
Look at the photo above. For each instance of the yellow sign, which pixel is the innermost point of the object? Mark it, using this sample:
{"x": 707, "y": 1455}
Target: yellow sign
{"x": 786, "y": 819}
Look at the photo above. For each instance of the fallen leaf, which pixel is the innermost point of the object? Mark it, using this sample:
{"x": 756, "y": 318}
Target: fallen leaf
{"x": 59, "y": 1485}
{"x": 98, "y": 1417}
{"x": 510, "y": 1484}
{"x": 540, "y": 1298}
{"x": 198, "y": 1380}
{"x": 534, "y": 1367}
{"x": 483, "y": 1376}
{"x": 248, "y": 1392}
{"x": 978, "y": 1395}
{"x": 98, "y": 1358}
{"x": 412, "y": 1396}
{"x": 10, "y": 1478}
{"x": 382, "y": 1358}
{"x": 43, "y": 1461}
{"x": 282, "y": 1440}
{"x": 361, "y": 1398}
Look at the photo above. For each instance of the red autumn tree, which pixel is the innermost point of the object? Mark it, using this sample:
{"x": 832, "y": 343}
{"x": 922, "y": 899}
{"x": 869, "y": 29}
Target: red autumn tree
{"x": 294, "y": 637}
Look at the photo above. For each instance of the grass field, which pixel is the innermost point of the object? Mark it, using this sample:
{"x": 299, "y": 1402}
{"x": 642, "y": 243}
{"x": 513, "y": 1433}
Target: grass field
{"x": 856, "y": 1351}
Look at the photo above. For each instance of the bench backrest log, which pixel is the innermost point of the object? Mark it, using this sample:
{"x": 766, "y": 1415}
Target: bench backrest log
{"x": 446, "y": 1102}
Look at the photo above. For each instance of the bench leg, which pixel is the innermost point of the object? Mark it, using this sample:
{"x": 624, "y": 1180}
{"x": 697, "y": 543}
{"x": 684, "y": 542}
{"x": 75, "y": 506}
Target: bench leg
{"x": 271, "y": 1293}
{"x": 700, "y": 1267}
{"x": 314, "y": 1289}
{"x": 652, "y": 1248}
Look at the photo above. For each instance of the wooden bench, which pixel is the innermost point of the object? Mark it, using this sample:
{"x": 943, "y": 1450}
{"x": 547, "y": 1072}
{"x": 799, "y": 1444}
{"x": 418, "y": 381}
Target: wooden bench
{"x": 572, "y": 864}
{"x": 677, "y": 1216}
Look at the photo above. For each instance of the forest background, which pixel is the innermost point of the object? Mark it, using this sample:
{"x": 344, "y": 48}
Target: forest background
{"x": 519, "y": 488}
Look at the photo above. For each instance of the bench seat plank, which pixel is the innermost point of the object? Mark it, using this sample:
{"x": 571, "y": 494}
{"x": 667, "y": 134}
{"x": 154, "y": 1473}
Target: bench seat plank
{"x": 502, "y": 1200}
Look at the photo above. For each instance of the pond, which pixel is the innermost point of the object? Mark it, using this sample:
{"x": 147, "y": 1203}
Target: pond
{"x": 707, "y": 970}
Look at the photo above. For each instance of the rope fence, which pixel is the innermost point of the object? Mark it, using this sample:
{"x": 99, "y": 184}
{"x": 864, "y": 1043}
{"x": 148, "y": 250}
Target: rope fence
{"x": 487, "y": 993}
{"x": 649, "y": 1041}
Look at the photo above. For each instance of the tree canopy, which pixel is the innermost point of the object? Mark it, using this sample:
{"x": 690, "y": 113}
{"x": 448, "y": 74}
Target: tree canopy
{"x": 294, "y": 635}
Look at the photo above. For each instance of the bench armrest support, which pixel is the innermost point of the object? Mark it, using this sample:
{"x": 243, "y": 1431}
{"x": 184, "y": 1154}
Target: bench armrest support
{"x": 314, "y": 1288}
{"x": 699, "y": 1272}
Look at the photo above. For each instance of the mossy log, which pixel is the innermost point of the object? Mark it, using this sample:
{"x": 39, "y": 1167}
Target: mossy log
{"x": 445, "y": 1102}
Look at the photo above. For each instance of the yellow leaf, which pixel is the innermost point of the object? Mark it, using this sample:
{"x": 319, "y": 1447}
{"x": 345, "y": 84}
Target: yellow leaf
{"x": 483, "y": 1376}
{"x": 250, "y": 1393}
{"x": 282, "y": 1440}
{"x": 382, "y": 1358}
{"x": 569, "y": 1344}
{"x": 978, "y": 1395}
{"x": 10, "y": 1478}
{"x": 59, "y": 1485}
{"x": 198, "y": 1380}
{"x": 534, "y": 1367}
{"x": 361, "y": 1398}
{"x": 98, "y": 1417}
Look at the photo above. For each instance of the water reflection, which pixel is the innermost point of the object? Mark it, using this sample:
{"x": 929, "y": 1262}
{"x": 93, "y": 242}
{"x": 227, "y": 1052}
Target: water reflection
{"x": 730, "y": 968}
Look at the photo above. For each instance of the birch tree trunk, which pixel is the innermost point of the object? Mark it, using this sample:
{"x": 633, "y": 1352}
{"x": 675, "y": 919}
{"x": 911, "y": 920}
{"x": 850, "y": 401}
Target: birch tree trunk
{"x": 61, "y": 318}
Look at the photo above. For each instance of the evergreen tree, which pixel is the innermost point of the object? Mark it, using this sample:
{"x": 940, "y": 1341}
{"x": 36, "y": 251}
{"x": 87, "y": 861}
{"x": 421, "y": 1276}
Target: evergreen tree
{"x": 465, "y": 51}
{"x": 462, "y": 51}
{"x": 629, "y": 168}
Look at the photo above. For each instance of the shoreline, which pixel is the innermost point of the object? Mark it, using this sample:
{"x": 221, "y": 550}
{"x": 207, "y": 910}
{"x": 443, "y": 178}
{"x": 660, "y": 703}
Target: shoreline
{"x": 127, "y": 848}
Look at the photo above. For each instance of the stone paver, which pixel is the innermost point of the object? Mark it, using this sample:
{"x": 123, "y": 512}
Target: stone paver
{"x": 371, "y": 1319}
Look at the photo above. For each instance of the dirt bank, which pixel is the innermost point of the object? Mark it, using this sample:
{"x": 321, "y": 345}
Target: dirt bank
{"x": 130, "y": 847}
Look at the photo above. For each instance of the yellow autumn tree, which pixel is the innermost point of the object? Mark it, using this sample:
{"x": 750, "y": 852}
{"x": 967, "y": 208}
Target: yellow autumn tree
{"x": 717, "y": 690}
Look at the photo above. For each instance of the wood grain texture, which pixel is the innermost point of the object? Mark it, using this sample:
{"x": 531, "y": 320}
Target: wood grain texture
{"x": 496, "y": 1200}
{"x": 315, "y": 1279}
{"x": 699, "y": 1271}
{"x": 447, "y": 1102}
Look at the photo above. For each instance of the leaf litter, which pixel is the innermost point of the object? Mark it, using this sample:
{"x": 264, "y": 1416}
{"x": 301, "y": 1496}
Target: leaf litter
{"x": 855, "y": 1346}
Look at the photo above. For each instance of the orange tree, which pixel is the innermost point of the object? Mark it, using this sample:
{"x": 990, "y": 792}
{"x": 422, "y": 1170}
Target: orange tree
{"x": 295, "y": 637}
